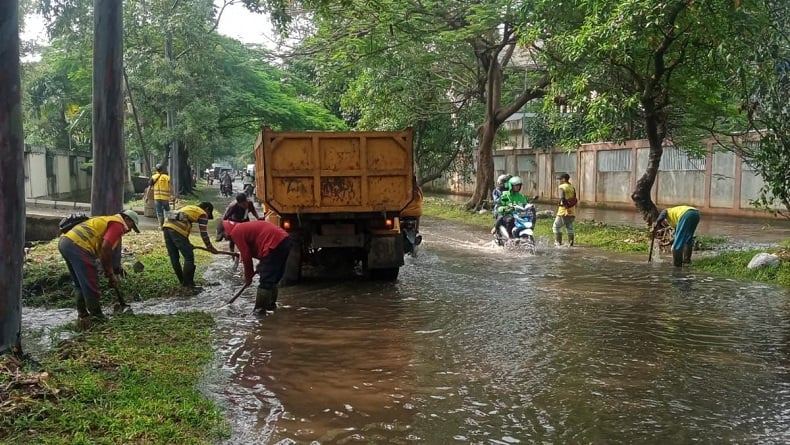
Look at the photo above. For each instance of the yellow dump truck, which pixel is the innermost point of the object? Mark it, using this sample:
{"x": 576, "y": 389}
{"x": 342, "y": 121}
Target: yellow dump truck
{"x": 338, "y": 194}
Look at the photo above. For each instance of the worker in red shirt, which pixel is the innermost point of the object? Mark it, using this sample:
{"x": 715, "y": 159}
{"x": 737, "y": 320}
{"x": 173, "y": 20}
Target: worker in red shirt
{"x": 270, "y": 245}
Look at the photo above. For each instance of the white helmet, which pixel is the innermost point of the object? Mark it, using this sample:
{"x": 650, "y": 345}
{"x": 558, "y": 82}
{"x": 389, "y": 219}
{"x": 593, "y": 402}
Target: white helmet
{"x": 502, "y": 180}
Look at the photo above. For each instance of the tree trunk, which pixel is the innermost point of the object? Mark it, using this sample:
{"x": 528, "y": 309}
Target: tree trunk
{"x": 12, "y": 181}
{"x": 641, "y": 195}
{"x": 485, "y": 165}
{"x": 184, "y": 171}
{"x": 109, "y": 158}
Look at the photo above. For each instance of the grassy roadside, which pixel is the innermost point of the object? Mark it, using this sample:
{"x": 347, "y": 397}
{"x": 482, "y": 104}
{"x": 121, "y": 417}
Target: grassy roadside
{"x": 631, "y": 239}
{"x": 130, "y": 380}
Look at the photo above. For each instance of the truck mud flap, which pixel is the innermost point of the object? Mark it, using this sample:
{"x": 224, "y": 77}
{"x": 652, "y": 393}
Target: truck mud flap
{"x": 385, "y": 252}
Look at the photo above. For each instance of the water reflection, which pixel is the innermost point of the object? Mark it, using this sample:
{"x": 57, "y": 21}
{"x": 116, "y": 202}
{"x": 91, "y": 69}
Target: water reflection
{"x": 475, "y": 345}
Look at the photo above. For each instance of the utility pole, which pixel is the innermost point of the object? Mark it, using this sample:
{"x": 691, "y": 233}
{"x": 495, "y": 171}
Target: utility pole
{"x": 12, "y": 181}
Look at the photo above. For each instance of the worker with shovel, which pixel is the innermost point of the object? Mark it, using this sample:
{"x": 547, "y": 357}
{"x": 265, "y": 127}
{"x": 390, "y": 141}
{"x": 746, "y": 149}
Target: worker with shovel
{"x": 81, "y": 247}
{"x": 269, "y": 244}
{"x": 176, "y": 232}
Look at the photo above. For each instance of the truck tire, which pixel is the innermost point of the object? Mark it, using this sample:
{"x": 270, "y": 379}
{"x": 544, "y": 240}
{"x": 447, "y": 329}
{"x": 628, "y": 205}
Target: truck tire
{"x": 293, "y": 266}
{"x": 388, "y": 274}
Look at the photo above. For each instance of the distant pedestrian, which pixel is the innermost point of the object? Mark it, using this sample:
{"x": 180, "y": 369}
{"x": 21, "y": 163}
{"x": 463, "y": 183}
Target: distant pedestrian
{"x": 270, "y": 245}
{"x": 163, "y": 192}
{"x": 684, "y": 219}
{"x": 176, "y": 232}
{"x": 566, "y": 213}
{"x": 86, "y": 243}
{"x": 237, "y": 211}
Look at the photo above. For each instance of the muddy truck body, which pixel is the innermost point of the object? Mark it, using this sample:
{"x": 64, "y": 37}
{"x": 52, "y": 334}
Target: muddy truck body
{"x": 338, "y": 195}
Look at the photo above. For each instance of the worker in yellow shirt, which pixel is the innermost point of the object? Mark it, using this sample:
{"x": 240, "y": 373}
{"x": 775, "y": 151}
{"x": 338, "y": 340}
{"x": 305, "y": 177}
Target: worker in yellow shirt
{"x": 176, "y": 232}
{"x": 163, "y": 192}
{"x": 684, "y": 219}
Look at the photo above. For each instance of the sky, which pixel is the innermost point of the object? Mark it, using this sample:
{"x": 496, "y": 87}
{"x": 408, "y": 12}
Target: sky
{"x": 236, "y": 22}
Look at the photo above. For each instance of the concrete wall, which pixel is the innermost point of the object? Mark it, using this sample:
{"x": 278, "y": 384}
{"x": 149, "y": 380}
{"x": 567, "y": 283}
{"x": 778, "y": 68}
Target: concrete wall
{"x": 605, "y": 174}
{"x": 66, "y": 177}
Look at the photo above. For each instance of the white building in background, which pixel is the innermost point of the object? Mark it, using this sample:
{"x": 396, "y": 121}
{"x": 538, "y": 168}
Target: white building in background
{"x": 56, "y": 174}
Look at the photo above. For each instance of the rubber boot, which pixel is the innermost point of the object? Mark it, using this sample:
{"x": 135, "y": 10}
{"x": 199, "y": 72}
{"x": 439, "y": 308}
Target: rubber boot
{"x": 558, "y": 239}
{"x": 272, "y": 306}
{"x": 82, "y": 309}
{"x": 189, "y": 277}
{"x": 570, "y": 239}
{"x": 179, "y": 272}
{"x": 677, "y": 257}
{"x": 687, "y": 250}
{"x": 94, "y": 308}
{"x": 263, "y": 299}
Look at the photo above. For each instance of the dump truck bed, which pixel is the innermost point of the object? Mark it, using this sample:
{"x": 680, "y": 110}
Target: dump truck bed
{"x": 334, "y": 172}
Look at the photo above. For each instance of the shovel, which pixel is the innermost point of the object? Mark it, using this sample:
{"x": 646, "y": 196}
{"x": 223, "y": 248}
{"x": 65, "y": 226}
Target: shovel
{"x": 240, "y": 291}
{"x": 652, "y": 242}
{"x": 121, "y": 306}
{"x": 235, "y": 256}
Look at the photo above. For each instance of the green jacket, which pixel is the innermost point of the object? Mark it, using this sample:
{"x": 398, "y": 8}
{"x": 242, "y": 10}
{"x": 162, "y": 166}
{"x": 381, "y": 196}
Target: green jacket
{"x": 511, "y": 198}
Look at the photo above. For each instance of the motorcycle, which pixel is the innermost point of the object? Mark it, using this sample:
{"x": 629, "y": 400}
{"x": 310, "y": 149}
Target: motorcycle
{"x": 249, "y": 190}
{"x": 522, "y": 235}
{"x": 411, "y": 237}
{"x": 226, "y": 190}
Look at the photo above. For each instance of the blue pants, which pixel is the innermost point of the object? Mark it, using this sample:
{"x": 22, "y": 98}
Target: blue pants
{"x": 684, "y": 233}
{"x": 161, "y": 206}
{"x": 82, "y": 267}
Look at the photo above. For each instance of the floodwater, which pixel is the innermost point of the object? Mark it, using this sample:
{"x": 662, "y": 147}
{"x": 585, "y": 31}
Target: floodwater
{"x": 475, "y": 345}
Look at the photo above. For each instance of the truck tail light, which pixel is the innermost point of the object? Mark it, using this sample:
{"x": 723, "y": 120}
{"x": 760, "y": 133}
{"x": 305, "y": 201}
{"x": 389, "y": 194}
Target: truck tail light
{"x": 287, "y": 224}
{"x": 389, "y": 223}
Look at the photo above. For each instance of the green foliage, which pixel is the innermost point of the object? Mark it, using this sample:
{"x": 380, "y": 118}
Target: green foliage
{"x": 221, "y": 91}
{"x": 764, "y": 79}
{"x": 131, "y": 380}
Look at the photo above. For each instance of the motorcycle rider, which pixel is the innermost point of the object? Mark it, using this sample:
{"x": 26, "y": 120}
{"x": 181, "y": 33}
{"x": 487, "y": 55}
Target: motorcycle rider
{"x": 512, "y": 197}
{"x": 226, "y": 183}
{"x": 413, "y": 211}
{"x": 496, "y": 194}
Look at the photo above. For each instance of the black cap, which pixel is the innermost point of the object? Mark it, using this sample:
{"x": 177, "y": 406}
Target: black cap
{"x": 208, "y": 207}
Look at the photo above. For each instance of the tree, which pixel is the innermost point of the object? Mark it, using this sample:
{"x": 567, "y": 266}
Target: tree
{"x": 765, "y": 83}
{"x": 12, "y": 180}
{"x": 655, "y": 59}
{"x": 467, "y": 48}
{"x": 221, "y": 90}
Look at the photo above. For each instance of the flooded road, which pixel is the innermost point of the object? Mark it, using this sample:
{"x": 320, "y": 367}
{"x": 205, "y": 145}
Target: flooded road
{"x": 472, "y": 345}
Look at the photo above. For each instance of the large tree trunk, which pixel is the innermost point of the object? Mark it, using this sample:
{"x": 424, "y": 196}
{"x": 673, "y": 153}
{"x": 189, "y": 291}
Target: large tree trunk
{"x": 109, "y": 158}
{"x": 655, "y": 136}
{"x": 12, "y": 181}
{"x": 485, "y": 165}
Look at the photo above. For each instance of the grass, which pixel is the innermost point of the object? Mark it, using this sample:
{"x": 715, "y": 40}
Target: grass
{"x": 47, "y": 283}
{"x": 632, "y": 239}
{"x": 131, "y": 380}
{"x": 46, "y": 280}
{"x": 588, "y": 233}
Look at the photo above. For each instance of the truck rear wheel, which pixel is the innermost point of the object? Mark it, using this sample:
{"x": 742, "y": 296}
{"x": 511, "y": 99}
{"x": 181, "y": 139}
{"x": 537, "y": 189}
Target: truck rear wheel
{"x": 388, "y": 274}
{"x": 293, "y": 266}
